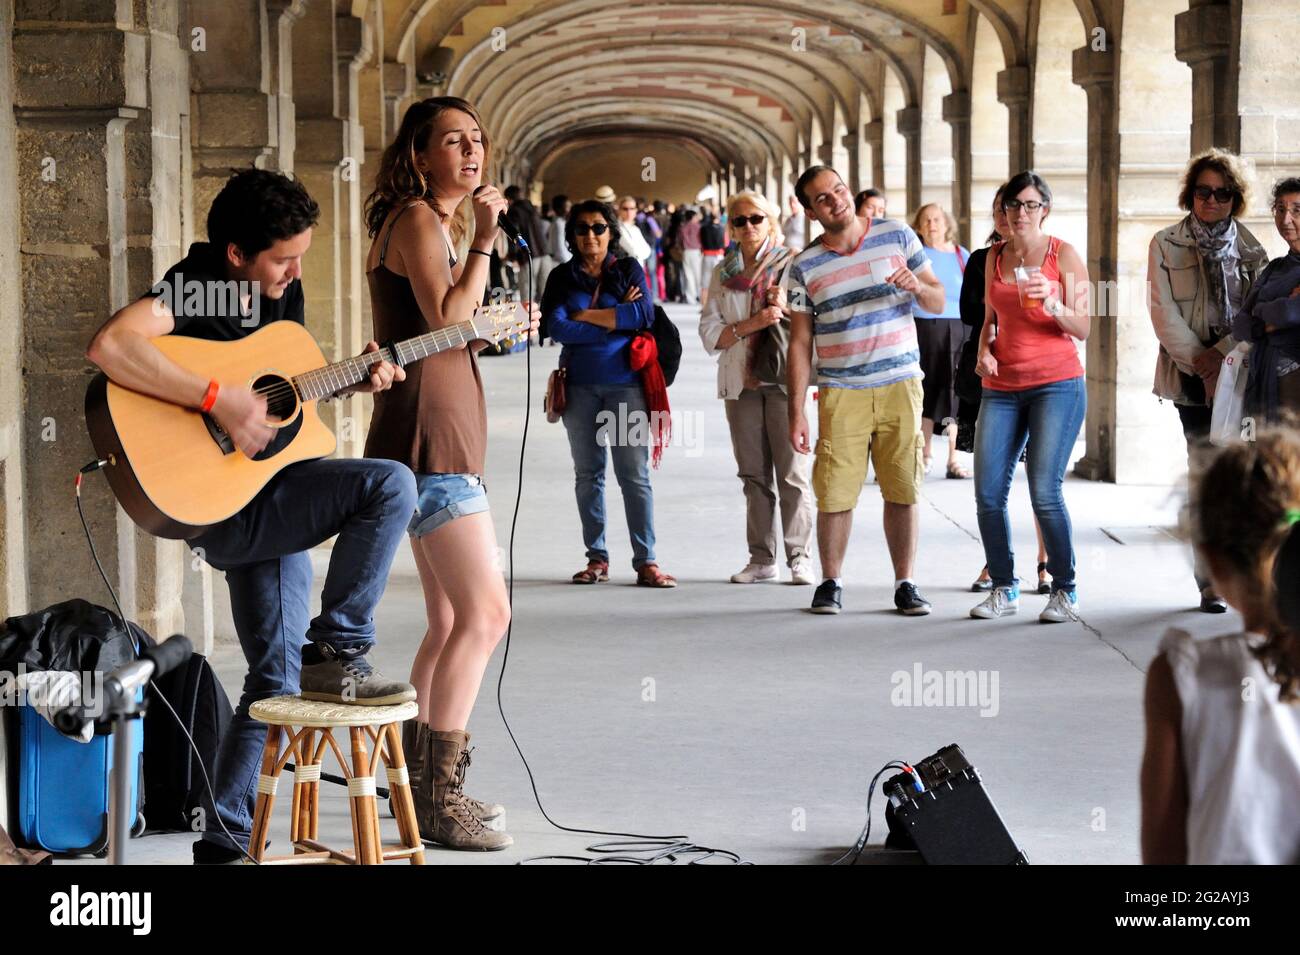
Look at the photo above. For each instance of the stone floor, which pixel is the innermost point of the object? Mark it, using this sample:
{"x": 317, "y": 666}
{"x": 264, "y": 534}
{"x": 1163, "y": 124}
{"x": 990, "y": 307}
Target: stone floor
{"x": 731, "y": 716}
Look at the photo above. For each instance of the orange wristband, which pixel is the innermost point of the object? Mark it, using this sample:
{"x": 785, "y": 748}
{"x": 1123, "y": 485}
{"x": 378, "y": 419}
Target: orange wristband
{"x": 210, "y": 396}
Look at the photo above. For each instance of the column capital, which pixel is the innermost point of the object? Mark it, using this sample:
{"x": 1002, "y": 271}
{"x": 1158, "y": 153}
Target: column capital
{"x": 353, "y": 40}
{"x": 909, "y": 121}
{"x": 1203, "y": 33}
{"x": 874, "y": 133}
{"x": 1093, "y": 69}
{"x": 825, "y": 153}
{"x": 290, "y": 9}
{"x": 956, "y": 107}
{"x": 1014, "y": 86}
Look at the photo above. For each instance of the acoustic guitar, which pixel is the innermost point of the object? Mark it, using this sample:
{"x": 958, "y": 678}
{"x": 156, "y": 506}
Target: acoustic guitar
{"x": 175, "y": 471}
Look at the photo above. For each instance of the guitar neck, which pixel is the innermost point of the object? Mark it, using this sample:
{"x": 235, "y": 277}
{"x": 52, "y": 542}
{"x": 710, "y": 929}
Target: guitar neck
{"x": 323, "y": 382}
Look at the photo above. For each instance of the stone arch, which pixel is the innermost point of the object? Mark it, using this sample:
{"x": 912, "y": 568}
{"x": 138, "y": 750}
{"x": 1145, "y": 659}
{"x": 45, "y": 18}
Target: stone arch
{"x": 893, "y": 146}
{"x": 1060, "y": 120}
{"x": 937, "y": 183}
{"x": 990, "y": 128}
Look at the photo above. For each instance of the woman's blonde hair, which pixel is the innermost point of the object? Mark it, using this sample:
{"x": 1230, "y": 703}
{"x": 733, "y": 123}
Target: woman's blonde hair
{"x": 950, "y": 233}
{"x": 399, "y": 180}
{"x": 760, "y": 202}
{"x": 1244, "y": 509}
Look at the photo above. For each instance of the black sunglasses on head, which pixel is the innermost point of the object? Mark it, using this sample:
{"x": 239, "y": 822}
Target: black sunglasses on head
{"x": 740, "y": 222}
{"x": 1220, "y": 195}
{"x": 598, "y": 228}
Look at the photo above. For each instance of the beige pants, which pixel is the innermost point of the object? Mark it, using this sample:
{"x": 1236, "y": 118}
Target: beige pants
{"x": 760, "y": 437}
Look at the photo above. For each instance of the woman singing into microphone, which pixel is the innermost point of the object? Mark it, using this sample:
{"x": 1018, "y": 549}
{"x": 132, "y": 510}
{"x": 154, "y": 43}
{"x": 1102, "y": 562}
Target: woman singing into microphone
{"x": 423, "y": 207}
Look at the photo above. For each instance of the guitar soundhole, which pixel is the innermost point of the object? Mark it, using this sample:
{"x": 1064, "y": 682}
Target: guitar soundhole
{"x": 281, "y": 399}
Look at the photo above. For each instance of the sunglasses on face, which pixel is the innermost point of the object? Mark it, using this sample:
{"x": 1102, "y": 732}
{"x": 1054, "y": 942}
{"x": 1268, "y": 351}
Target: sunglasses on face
{"x": 1220, "y": 195}
{"x": 741, "y": 221}
{"x": 1015, "y": 205}
{"x": 597, "y": 228}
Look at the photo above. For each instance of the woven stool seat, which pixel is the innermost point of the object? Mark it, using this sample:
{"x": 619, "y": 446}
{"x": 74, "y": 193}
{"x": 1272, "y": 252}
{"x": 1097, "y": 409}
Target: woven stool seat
{"x": 303, "y": 731}
{"x": 295, "y": 711}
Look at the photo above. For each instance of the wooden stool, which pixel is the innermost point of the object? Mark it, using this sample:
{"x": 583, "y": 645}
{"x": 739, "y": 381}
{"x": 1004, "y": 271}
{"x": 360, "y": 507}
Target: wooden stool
{"x": 380, "y": 723}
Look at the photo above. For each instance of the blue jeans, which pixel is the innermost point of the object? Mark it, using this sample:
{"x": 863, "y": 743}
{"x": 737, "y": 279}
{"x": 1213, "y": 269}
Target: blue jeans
{"x": 594, "y": 412}
{"x": 263, "y": 551}
{"x": 1052, "y": 414}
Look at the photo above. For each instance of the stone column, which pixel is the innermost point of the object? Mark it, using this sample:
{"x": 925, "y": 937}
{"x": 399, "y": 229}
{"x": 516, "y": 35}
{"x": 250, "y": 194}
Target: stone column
{"x": 76, "y": 88}
{"x": 850, "y": 142}
{"x": 281, "y": 17}
{"x": 13, "y": 555}
{"x": 873, "y": 134}
{"x": 1095, "y": 72}
{"x": 354, "y": 47}
{"x": 956, "y": 113}
{"x": 323, "y": 143}
{"x": 1203, "y": 40}
{"x": 909, "y": 127}
{"x": 1013, "y": 92}
{"x": 398, "y": 83}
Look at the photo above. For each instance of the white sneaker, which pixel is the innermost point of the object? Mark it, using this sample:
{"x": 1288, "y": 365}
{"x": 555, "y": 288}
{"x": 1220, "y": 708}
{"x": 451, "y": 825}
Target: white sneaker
{"x": 754, "y": 573}
{"x": 801, "y": 571}
{"x": 1061, "y": 607}
{"x": 1001, "y": 602}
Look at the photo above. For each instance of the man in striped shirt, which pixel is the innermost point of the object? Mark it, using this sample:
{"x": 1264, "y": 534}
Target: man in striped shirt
{"x": 851, "y": 293}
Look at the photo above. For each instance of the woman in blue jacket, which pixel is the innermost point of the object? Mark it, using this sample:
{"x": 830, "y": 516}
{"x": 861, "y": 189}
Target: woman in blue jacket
{"x": 594, "y": 305}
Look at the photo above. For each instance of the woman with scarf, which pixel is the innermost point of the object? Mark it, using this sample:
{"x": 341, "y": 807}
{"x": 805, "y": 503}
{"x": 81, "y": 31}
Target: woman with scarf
{"x": 1270, "y": 318}
{"x": 1198, "y": 274}
{"x": 599, "y": 308}
{"x": 749, "y": 339}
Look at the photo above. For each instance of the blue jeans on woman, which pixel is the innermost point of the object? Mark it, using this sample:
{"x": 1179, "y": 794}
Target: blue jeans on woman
{"x": 263, "y": 550}
{"x": 597, "y": 416}
{"x": 1052, "y": 414}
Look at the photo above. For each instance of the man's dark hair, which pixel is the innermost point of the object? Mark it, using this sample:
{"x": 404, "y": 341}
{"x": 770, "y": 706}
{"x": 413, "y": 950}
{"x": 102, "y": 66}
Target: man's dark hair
{"x": 591, "y": 207}
{"x": 1022, "y": 181}
{"x": 511, "y": 193}
{"x": 258, "y": 207}
{"x": 688, "y": 215}
{"x": 809, "y": 174}
{"x": 558, "y": 203}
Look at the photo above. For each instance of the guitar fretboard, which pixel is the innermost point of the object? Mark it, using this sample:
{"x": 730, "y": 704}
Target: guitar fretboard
{"x": 322, "y": 382}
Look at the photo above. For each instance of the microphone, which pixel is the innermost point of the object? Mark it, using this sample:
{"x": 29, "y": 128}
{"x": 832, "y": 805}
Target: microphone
{"x": 506, "y": 226}
{"x": 121, "y": 684}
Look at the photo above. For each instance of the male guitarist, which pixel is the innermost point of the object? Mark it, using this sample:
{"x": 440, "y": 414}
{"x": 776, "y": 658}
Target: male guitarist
{"x": 259, "y": 228}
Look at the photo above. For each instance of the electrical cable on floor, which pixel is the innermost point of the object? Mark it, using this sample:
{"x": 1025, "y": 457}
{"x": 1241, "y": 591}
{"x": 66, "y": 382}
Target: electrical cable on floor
{"x": 158, "y": 695}
{"x": 856, "y": 849}
{"x": 668, "y": 849}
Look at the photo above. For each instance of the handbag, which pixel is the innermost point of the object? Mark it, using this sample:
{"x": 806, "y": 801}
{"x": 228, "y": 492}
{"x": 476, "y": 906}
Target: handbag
{"x": 1226, "y": 416}
{"x": 557, "y": 390}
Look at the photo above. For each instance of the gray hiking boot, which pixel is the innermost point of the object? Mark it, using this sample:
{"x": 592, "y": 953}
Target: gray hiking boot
{"x": 337, "y": 679}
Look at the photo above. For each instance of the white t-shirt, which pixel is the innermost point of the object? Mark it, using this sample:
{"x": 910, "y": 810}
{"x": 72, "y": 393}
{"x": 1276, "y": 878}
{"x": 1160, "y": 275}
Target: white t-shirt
{"x": 1241, "y": 751}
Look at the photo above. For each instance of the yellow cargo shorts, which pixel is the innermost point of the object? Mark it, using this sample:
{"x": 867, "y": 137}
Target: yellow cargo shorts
{"x": 884, "y": 422}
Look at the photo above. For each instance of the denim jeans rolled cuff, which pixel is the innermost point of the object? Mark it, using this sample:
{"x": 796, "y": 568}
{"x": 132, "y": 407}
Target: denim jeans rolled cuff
{"x": 441, "y": 498}
{"x": 594, "y": 418}
{"x": 1052, "y": 414}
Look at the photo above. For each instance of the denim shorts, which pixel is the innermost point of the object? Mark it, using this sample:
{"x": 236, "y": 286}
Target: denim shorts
{"x": 441, "y": 498}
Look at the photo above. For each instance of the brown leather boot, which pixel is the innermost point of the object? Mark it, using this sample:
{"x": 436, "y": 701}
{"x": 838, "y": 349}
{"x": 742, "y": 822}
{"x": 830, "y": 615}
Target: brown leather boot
{"x": 415, "y": 747}
{"x": 454, "y": 824}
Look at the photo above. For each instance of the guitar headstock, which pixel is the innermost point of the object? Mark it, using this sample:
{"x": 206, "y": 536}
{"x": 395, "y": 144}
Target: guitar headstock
{"x": 505, "y": 321}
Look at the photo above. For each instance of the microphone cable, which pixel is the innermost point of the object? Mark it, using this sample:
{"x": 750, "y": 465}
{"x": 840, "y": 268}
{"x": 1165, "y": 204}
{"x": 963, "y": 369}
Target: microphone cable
{"x": 635, "y": 848}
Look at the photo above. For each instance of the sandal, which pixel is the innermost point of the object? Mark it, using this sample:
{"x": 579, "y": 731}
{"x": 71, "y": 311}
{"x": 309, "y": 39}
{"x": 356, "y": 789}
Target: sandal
{"x": 649, "y": 575}
{"x": 597, "y": 572}
{"x": 957, "y": 472}
{"x": 1044, "y": 586}
{"x": 982, "y": 584}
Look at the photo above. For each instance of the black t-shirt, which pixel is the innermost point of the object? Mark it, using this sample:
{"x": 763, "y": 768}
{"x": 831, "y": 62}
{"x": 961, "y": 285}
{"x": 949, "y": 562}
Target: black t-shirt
{"x": 208, "y": 305}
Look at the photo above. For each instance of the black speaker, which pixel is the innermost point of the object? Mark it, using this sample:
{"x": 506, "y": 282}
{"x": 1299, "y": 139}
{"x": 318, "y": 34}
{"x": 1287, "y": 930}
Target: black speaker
{"x": 944, "y": 812}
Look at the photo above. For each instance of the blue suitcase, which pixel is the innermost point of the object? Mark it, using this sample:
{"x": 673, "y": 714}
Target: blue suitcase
{"x": 63, "y": 786}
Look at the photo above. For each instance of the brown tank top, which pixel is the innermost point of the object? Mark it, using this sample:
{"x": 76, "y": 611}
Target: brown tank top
{"x": 435, "y": 422}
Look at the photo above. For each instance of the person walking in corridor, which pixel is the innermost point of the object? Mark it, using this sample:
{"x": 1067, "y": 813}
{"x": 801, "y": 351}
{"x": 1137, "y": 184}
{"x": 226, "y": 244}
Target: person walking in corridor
{"x": 1037, "y": 305}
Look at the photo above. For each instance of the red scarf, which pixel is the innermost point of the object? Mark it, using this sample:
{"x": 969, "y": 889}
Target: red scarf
{"x": 644, "y": 355}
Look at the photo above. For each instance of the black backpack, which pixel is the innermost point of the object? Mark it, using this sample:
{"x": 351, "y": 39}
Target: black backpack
{"x": 173, "y": 783}
{"x": 669, "y": 342}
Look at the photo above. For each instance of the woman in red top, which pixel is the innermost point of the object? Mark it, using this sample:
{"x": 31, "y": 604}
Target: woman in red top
{"x": 1036, "y": 309}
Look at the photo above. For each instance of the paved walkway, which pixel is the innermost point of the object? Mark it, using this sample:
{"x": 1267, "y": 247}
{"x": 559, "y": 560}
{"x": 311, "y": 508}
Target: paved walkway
{"x": 731, "y": 715}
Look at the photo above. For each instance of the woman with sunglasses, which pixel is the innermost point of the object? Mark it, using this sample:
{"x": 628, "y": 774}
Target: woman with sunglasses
{"x": 745, "y": 333}
{"x": 1036, "y": 306}
{"x": 594, "y": 306}
{"x": 1198, "y": 273}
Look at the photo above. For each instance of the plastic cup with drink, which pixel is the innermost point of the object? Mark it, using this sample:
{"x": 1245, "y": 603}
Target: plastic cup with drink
{"x": 1024, "y": 274}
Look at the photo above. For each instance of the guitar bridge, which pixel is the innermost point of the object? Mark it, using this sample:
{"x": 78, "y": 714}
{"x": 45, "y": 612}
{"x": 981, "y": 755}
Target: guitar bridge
{"x": 218, "y": 434}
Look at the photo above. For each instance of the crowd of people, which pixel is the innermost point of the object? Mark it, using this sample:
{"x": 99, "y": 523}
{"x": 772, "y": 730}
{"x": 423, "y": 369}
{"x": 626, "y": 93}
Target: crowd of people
{"x": 904, "y": 333}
